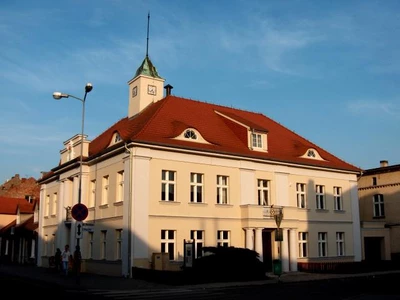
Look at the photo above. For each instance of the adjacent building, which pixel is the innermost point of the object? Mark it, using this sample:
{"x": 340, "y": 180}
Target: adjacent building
{"x": 379, "y": 193}
{"x": 18, "y": 230}
{"x": 175, "y": 170}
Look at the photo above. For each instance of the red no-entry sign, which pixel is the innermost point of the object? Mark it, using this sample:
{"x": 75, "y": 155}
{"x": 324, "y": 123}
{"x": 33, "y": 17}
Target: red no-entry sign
{"x": 79, "y": 212}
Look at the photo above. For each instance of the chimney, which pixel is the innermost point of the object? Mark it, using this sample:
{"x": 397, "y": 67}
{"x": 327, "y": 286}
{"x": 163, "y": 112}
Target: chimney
{"x": 168, "y": 89}
{"x": 384, "y": 163}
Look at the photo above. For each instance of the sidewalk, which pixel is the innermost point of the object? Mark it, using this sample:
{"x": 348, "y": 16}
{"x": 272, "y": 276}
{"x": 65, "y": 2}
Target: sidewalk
{"x": 101, "y": 282}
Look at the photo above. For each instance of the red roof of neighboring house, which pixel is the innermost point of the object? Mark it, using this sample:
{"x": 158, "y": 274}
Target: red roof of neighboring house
{"x": 29, "y": 224}
{"x": 9, "y": 206}
{"x": 8, "y": 226}
{"x": 160, "y": 122}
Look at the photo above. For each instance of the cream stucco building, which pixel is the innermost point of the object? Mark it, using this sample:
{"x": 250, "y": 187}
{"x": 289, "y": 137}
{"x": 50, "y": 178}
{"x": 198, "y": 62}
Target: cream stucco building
{"x": 176, "y": 169}
{"x": 379, "y": 192}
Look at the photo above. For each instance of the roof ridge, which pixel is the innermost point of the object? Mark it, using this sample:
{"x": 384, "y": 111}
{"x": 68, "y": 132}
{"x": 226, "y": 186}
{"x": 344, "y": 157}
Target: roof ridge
{"x": 219, "y": 105}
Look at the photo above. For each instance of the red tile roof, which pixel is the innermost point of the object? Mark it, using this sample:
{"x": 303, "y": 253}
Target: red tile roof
{"x": 9, "y": 206}
{"x": 160, "y": 122}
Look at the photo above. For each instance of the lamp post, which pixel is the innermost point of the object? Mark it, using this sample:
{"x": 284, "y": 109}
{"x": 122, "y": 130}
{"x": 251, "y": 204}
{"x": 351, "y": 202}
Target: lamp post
{"x": 58, "y": 96}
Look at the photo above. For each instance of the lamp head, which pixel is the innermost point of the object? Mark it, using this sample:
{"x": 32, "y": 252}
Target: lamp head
{"x": 88, "y": 87}
{"x": 58, "y": 95}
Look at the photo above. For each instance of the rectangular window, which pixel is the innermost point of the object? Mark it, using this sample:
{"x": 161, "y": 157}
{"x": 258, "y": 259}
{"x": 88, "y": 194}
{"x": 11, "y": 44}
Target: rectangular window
{"x": 322, "y": 244}
{"x": 120, "y": 186}
{"x": 90, "y": 252}
{"x": 340, "y": 243}
{"x": 223, "y": 239}
{"x": 379, "y": 206}
{"x": 118, "y": 239}
{"x": 256, "y": 140}
{"x": 196, "y": 187}
{"x": 263, "y": 192}
{"x": 374, "y": 181}
{"x": 106, "y": 189}
{"x": 168, "y": 243}
{"x": 222, "y": 189}
{"x": 301, "y": 195}
{"x": 303, "y": 246}
{"x": 54, "y": 205}
{"x": 198, "y": 237}
{"x": 103, "y": 252}
{"x": 92, "y": 196}
{"x": 167, "y": 185}
{"x": 320, "y": 196}
{"x": 47, "y": 206}
{"x": 337, "y": 198}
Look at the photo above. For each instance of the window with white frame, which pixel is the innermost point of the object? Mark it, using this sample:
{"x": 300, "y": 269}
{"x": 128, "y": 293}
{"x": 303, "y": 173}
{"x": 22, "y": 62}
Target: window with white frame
{"x": 120, "y": 186}
{"x": 54, "y": 204}
{"x": 263, "y": 192}
{"x": 301, "y": 195}
{"x": 106, "y": 190}
{"x": 47, "y": 206}
{"x": 91, "y": 241}
{"x": 168, "y": 242}
{"x": 222, "y": 189}
{"x": 256, "y": 140}
{"x": 198, "y": 237}
{"x": 340, "y": 243}
{"x": 103, "y": 240}
{"x": 320, "y": 196}
{"x": 168, "y": 185}
{"x": 223, "y": 238}
{"x": 196, "y": 187}
{"x": 303, "y": 245}
{"x": 337, "y": 198}
{"x": 118, "y": 240}
{"x": 322, "y": 244}
{"x": 92, "y": 196}
{"x": 379, "y": 205}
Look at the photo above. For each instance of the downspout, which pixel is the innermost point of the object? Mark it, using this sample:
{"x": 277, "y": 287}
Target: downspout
{"x": 129, "y": 214}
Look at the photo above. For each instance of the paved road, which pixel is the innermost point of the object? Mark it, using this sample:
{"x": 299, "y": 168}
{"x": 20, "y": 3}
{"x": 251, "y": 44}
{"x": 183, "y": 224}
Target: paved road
{"x": 385, "y": 287}
{"x": 372, "y": 288}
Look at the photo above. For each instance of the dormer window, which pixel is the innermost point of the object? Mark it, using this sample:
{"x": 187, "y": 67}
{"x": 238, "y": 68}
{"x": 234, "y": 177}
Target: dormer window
{"x": 190, "y": 134}
{"x": 256, "y": 140}
{"x": 312, "y": 153}
{"x": 117, "y": 138}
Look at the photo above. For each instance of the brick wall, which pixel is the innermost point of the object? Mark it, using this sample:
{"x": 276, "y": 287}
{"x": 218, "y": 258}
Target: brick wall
{"x": 18, "y": 187}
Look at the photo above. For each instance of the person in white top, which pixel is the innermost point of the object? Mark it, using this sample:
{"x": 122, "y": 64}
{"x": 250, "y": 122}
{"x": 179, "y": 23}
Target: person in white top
{"x": 65, "y": 256}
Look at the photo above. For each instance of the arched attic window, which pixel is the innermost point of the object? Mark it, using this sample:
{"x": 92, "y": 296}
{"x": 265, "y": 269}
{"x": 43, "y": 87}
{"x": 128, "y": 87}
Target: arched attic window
{"x": 190, "y": 134}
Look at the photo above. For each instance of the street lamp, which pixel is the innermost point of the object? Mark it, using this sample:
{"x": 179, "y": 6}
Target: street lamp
{"x": 58, "y": 96}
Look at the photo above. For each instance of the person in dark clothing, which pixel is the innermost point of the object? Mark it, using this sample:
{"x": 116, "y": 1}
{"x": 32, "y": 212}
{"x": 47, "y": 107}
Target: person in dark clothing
{"x": 57, "y": 260}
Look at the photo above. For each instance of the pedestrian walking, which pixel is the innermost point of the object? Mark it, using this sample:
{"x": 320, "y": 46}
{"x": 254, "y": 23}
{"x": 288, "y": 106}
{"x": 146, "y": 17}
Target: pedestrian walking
{"x": 65, "y": 256}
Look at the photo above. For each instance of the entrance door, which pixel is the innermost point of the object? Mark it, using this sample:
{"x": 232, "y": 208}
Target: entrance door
{"x": 372, "y": 248}
{"x": 267, "y": 249}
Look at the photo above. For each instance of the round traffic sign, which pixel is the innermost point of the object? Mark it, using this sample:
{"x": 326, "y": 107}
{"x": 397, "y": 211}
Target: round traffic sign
{"x": 79, "y": 212}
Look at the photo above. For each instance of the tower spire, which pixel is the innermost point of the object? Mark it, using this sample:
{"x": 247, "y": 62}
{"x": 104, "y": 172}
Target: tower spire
{"x": 148, "y": 26}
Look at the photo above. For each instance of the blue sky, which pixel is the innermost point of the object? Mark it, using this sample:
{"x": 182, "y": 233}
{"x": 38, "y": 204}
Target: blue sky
{"x": 328, "y": 70}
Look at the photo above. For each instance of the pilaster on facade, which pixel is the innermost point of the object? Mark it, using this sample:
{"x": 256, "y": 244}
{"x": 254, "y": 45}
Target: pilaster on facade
{"x": 258, "y": 243}
{"x": 293, "y": 249}
{"x": 285, "y": 251}
{"x": 249, "y": 238}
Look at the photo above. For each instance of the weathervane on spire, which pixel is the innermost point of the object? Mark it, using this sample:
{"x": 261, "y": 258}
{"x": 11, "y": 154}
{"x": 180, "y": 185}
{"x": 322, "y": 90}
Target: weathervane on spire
{"x": 148, "y": 24}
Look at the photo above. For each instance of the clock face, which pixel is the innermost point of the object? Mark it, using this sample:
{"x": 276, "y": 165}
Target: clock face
{"x": 134, "y": 91}
{"x": 151, "y": 90}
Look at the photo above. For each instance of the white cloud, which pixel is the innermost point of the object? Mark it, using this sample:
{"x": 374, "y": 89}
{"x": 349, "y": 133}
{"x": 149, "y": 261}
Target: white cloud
{"x": 374, "y": 107}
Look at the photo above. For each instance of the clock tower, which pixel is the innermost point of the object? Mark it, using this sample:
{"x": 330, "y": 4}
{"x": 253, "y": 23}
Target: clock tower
{"x": 145, "y": 87}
